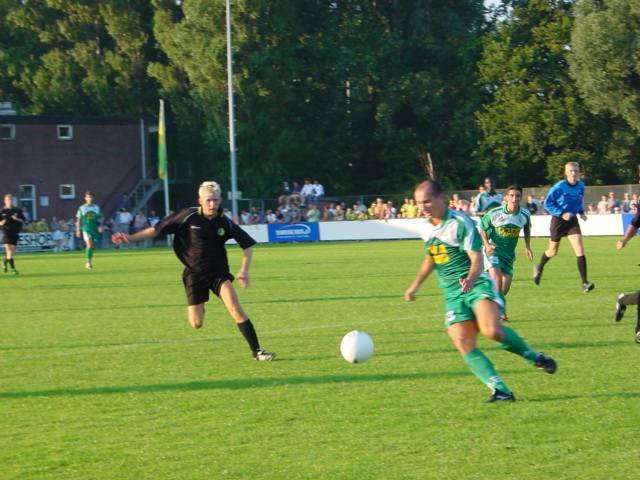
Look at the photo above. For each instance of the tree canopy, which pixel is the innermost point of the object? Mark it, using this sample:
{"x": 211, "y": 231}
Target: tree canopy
{"x": 354, "y": 93}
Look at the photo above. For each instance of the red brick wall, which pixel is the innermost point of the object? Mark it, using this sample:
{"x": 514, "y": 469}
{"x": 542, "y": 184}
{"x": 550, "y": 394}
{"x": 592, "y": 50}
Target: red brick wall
{"x": 103, "y": 158}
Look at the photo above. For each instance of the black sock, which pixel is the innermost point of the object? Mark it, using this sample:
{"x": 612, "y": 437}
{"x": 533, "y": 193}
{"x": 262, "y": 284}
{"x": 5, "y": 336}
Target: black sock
{"x": 543, "y": 259}
{"x": 638, "y": 320}
{"x": 582, "y": 268}
{"x": 250, "y": 335}
{"x": 11, "y": 263}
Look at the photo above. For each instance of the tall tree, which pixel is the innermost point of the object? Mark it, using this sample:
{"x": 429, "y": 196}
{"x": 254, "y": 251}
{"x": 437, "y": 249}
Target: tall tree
{"x": 536, "y": 120}
{"x": 350, "y": 92}
{"x": 606, "y": 57}
{"x": 85, "y": 58}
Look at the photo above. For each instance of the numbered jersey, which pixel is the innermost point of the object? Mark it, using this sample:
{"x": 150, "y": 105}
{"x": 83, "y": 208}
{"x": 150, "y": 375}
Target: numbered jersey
{"x": 447, "y": 244}
{"x": 90, "y": 216}
{"x": 503, "y": 229}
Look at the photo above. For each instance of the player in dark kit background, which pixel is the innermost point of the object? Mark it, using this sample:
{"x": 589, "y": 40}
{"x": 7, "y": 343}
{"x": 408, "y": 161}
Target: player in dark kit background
{"x": 199, "y": 238}
{"x": 11, "y": 221}
{"x": 625, "y": 300}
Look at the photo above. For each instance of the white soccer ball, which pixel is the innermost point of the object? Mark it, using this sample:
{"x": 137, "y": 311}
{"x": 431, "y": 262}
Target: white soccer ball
{"x": 356, "y": 347}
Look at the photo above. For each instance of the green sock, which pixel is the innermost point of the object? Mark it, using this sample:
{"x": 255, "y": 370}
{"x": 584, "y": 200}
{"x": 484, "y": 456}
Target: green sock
{"x": 89, "y": 252}
{"x": 514, "y": 344}
{"x": 482, "y": 368}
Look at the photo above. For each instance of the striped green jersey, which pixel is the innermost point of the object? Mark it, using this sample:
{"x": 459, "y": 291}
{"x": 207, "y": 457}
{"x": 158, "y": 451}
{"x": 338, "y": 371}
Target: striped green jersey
{"x": 447, "y": 244}
{"x": 90, "y": 216}
{"x": 503, "y": 229}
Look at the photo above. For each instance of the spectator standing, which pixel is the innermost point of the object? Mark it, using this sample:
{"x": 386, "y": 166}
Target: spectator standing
{"x": 626, "y": 203}
{"x": 532, "y": 205}
{"x": 140, "y": 222}
{"x": 123, "y": 202}
{"x": 307, "y": 195}
{"x": 286, "y": 192}
{"x": 153, "y": 218}
{"x": 125, "y": 220}
{"x": 318, "y": 190}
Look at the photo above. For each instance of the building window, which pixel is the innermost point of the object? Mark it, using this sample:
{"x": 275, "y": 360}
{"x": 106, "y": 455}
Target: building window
{"x": 65, "y": 132}
{"x": 28, "y": 199}
{"x": 7, "y": 132}
{"x": 67, "y": 191}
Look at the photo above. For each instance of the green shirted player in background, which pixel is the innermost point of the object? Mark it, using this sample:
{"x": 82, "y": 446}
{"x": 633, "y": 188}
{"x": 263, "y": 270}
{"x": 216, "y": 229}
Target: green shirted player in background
{"x": 488, "y": 199}
{"x": 500, "y": 230}
{"x": 471, "y": 302}
{"x": 90, "y": 222}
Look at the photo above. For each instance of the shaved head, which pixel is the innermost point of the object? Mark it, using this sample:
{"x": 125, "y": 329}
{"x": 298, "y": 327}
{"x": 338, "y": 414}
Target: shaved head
{"x": 430, "y": 186}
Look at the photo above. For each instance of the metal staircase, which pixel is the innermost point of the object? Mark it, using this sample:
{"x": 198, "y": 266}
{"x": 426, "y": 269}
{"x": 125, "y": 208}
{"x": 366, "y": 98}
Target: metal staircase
{"x": 143, "y": 192}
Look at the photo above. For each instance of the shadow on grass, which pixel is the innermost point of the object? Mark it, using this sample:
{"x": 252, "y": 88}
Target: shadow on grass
{"x": 237, "y": 384}
{"x": 592, "y": 395}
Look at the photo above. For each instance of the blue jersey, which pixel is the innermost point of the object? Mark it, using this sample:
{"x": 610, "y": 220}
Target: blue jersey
{"x": 564, "y": 197}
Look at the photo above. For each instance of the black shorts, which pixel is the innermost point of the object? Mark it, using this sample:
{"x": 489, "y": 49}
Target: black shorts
{"x": 10, "y": 237}
{"x": 561, "y": 228}
{"x": 197, "y": 285}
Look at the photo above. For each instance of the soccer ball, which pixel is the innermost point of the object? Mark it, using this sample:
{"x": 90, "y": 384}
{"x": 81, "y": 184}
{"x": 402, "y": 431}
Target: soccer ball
{"x": 356, "y": 347}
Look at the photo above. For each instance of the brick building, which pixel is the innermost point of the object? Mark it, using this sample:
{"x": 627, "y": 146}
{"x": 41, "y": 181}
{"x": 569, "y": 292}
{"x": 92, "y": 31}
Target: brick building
{"x": 49, "y": 162}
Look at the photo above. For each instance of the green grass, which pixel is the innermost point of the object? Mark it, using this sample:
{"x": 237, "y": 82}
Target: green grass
{"x": 102, "y": 378}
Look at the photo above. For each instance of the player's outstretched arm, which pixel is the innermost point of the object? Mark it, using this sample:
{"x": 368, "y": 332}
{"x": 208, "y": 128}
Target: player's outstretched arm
{"x": 629, "y": 234}
{"x": 425, "y": 270}
{"x": 243, "y": 274}
{"x": 122, "y": 237}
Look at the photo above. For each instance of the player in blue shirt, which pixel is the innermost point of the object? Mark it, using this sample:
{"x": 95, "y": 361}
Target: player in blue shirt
{"x": 565, "y": 203}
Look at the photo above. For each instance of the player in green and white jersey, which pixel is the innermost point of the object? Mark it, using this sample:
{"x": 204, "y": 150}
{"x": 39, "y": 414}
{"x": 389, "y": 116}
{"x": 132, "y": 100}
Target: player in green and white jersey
{"x": 472, "y": 303}
{"x": 488, "y": 199}
{"x": 90, "y": 223}
{"x": 500, "y": 231}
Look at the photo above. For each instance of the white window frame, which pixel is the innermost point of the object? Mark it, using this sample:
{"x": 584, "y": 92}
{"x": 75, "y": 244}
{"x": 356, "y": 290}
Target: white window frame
{"x": 65, "y": 137}
{"x": 67, "y": 196}
{"x": 12, "y": 131}
{"x": 33, "y": 199}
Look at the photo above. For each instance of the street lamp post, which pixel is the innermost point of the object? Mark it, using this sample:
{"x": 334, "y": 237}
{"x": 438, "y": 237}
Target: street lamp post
{"x": 232, "y": 130}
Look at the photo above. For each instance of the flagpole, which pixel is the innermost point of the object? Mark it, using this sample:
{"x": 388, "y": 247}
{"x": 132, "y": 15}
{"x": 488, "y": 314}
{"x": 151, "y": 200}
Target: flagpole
{"x": 232, "y": 132}
{"x": 165, "y": 170}
{"x": 163, "y": 164}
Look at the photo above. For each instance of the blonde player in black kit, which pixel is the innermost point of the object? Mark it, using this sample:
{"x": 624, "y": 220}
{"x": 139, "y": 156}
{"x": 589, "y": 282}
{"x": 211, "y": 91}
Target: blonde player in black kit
{"x": 199, "y": 238}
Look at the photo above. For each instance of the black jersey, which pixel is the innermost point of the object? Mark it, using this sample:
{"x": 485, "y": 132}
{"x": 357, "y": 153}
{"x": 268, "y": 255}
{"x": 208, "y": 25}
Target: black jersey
{"x": 199, "y": 242}
{"x": 11, "y": 225}
{"x": 636, "y": 220}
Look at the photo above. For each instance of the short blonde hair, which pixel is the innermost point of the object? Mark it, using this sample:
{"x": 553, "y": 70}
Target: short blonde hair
{"x": 209, "y": 187}
{"x": 572, "y": 164}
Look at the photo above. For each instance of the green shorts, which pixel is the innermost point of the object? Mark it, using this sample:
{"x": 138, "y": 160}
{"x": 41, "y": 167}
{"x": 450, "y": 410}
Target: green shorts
{"x": 93, "y": 236}
{"x": 499, "y": 261}
{"x": 458, "y": 306}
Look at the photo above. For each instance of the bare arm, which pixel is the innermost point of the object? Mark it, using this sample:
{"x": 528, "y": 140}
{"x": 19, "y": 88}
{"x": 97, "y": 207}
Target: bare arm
{"x": 122, "y": 237}
{"x": 527, "y": 242}
{"x": 425, "y": 270}
{"x": 243, "y": 274}
{"x": 488, "y": 248}
{"x": 628, "y": 235}
{"x": 476, "y": 268}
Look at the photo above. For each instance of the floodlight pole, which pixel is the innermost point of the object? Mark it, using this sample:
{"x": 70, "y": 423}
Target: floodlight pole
{"x": 232, "y": 129}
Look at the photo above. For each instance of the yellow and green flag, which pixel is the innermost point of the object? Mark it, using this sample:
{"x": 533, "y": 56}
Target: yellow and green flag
{"x": 162, "y": 144}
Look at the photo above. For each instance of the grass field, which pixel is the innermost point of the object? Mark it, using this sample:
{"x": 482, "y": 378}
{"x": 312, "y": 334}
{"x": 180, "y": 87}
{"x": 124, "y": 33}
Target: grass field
{"x": 102, "y": 378}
